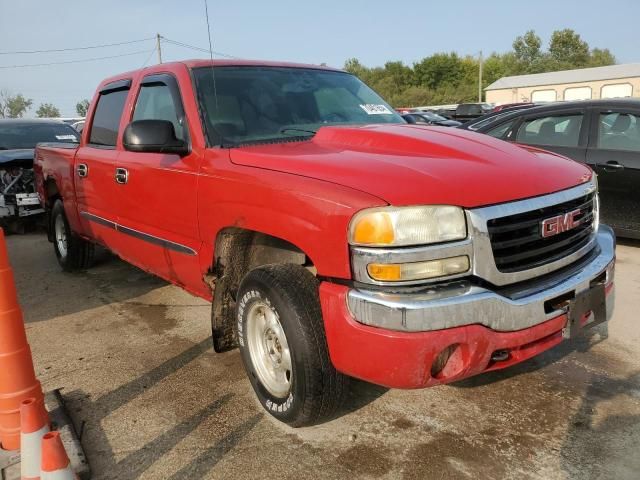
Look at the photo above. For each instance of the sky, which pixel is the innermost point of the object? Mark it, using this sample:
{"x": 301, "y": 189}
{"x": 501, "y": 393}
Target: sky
{"x": 329, "y": 31}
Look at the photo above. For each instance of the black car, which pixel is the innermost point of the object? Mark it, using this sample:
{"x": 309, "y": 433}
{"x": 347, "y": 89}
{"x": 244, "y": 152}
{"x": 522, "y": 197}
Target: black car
{"x": 469, "y": 111}
{"x": 604, "y": 134}
{"x": 18, "y": 138}
{"x": 491, "y": 117}
{"x": 429, "y": 118}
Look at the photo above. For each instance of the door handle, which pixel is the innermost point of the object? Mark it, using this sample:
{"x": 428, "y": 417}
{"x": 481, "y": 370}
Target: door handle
{"x": 122, "y": 175}
{"x": 82, "y": 169}
{"x": 612, "y": 166}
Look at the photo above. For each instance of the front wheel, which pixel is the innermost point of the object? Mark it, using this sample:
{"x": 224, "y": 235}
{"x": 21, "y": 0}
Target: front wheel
{"x": 73, "y": 252}
{"x": 283, "y": 345}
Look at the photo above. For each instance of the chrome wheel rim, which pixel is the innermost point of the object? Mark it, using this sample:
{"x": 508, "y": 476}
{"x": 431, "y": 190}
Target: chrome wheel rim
{"x": 269, "y": 349}
{"x": 61, "y": 236}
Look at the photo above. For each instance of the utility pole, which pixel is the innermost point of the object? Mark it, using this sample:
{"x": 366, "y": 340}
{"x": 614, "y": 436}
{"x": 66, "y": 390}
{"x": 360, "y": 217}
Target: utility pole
{"x": 158, "y": 37}
{"x": 480, "y": 79}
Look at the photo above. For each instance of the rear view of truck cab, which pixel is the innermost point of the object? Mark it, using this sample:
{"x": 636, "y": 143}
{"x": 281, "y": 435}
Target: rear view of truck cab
{"x": 333, "y": 239}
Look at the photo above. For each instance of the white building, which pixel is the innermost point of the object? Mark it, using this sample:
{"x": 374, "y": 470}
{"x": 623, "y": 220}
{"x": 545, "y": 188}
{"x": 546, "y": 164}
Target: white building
{"x": 581, "y": 84}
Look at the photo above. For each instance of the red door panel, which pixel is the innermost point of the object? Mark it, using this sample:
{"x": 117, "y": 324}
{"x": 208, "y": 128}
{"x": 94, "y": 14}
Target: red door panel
{"x": 96, "y": 193}
{"x": 157, "y": 215}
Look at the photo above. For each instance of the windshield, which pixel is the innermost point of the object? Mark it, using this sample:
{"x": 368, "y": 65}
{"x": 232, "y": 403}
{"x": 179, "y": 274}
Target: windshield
{"x": 24, "y": 135}
{"x": 267, "y": 104}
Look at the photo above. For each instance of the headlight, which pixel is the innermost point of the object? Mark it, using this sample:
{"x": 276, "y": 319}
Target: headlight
{"x": 402, "y": 226}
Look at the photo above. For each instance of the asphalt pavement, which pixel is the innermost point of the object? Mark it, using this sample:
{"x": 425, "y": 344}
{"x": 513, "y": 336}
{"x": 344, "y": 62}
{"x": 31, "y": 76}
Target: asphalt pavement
{"x": 133, "y": 358}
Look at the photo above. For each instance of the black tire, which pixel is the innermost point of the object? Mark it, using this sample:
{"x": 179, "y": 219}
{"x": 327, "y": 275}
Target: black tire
{"x": 316, "y": 389}
{"x": 79, "y": 253}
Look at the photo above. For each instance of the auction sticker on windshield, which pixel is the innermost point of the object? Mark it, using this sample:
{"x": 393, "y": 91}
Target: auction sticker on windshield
{"x": 373, "y": 109}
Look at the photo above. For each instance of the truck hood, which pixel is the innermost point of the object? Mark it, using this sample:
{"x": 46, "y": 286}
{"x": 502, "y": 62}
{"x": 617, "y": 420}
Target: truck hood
{"x": 22, "y": 158}
{"x": 409, "y": 165}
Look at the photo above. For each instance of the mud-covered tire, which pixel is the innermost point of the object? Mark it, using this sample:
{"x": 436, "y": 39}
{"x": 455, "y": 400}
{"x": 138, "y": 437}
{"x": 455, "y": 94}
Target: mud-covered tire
{"x": 316, "y": 389}
{"x": 78, "y": 253}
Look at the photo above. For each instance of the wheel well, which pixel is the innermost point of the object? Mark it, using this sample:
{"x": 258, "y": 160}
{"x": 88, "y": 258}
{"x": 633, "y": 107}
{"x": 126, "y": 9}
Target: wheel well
{"x": 51, "y": 192}
{"x": 243, "y": 250}
{"x": 237, "y": 252}
{"x": 51, "y": 195}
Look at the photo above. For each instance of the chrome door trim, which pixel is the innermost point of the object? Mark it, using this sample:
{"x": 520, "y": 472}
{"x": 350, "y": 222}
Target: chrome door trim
{"x": 99, "y": 220}
{"x": 132, "y": 232}
{"x": 161, "y": 242}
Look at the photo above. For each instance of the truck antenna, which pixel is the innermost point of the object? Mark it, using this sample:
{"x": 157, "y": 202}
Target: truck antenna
{"x": 213, "y": 73}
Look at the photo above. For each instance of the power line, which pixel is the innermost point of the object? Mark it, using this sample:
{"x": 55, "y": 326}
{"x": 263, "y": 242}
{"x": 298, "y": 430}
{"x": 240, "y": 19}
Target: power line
{"x": 74, "y": 61}
{"x": 149, "y": 57}
{"x": 166, "y": 40}
{"x": 163, "y": 39}
{"x": 205, "y": 50}
{"x": 24, "y": 52}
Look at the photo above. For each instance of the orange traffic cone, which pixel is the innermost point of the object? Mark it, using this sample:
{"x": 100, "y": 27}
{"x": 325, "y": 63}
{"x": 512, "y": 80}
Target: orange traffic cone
{"x": 17, "y": 377}
{"x": 55, "y": 462}
{"x": 33, "y": 426}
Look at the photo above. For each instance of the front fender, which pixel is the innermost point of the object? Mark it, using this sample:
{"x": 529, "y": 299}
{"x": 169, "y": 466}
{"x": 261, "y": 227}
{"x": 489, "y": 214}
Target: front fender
{"x": 311, "y": 214}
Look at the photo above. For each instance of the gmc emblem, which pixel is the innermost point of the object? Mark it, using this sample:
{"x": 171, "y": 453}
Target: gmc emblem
{"x": 562, "y": 223}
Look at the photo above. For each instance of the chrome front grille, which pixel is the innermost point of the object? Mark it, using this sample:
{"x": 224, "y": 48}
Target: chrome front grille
{"x": 508, "y": 246}
{"x": 518, "y": 243}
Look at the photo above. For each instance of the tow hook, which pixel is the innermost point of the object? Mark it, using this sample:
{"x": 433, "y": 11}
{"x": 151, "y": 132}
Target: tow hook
{"x": 500, "y": 355}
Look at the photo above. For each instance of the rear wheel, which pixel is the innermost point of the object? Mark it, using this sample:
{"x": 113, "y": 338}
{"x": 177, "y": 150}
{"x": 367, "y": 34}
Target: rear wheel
{"x": 283, "y": 345}
{"x": 73, "y": 252}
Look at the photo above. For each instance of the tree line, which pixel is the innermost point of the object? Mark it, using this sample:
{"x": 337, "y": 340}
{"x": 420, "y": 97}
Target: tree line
{"x": 16, "y": 106}
{"x": 445, "y": 78}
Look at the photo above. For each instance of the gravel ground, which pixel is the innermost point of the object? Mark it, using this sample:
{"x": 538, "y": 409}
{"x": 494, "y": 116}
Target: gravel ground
{"x": 133, "y": 357}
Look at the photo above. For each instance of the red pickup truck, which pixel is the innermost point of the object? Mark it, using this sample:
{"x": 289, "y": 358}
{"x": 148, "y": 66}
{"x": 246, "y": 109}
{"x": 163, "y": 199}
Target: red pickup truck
{"x": 333, "y": 239}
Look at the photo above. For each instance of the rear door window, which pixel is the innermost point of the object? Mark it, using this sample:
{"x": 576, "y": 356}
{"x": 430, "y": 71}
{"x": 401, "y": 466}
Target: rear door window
{"x": 619, "y": 131}
{"x": 106, "y": 120}
{"x": 561, "y": 130}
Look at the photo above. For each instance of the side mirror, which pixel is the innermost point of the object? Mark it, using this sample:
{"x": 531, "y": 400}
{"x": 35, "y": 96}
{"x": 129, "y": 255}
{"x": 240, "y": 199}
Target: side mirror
{"x": 153, "y": 136}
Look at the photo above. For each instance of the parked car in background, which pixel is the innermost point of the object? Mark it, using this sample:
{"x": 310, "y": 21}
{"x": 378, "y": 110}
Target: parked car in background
{"x": 604, "y": 134}
{"x": 79, "y": 126}
{"x": 68, "y": 120}
{"x": 445, "y": 112}
{"x": 504, "y": 106}
{"x": 492, "y": 117}
{"x": 18, "y": 138}
{"x": 469, "y": 111}
{"x": 430, "y": 118}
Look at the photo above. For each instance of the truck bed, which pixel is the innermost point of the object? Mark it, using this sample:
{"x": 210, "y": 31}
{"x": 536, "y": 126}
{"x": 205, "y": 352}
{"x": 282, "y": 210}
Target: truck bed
{"x": 54, "y": 162}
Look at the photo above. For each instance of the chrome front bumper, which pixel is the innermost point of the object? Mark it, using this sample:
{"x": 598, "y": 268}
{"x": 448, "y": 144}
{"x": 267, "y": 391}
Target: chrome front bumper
{"x": 461, "y": 303}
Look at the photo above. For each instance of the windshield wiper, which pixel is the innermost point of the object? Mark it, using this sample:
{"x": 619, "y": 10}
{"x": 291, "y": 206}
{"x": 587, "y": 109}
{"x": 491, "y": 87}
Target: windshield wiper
{"x": 285, "y": 130}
